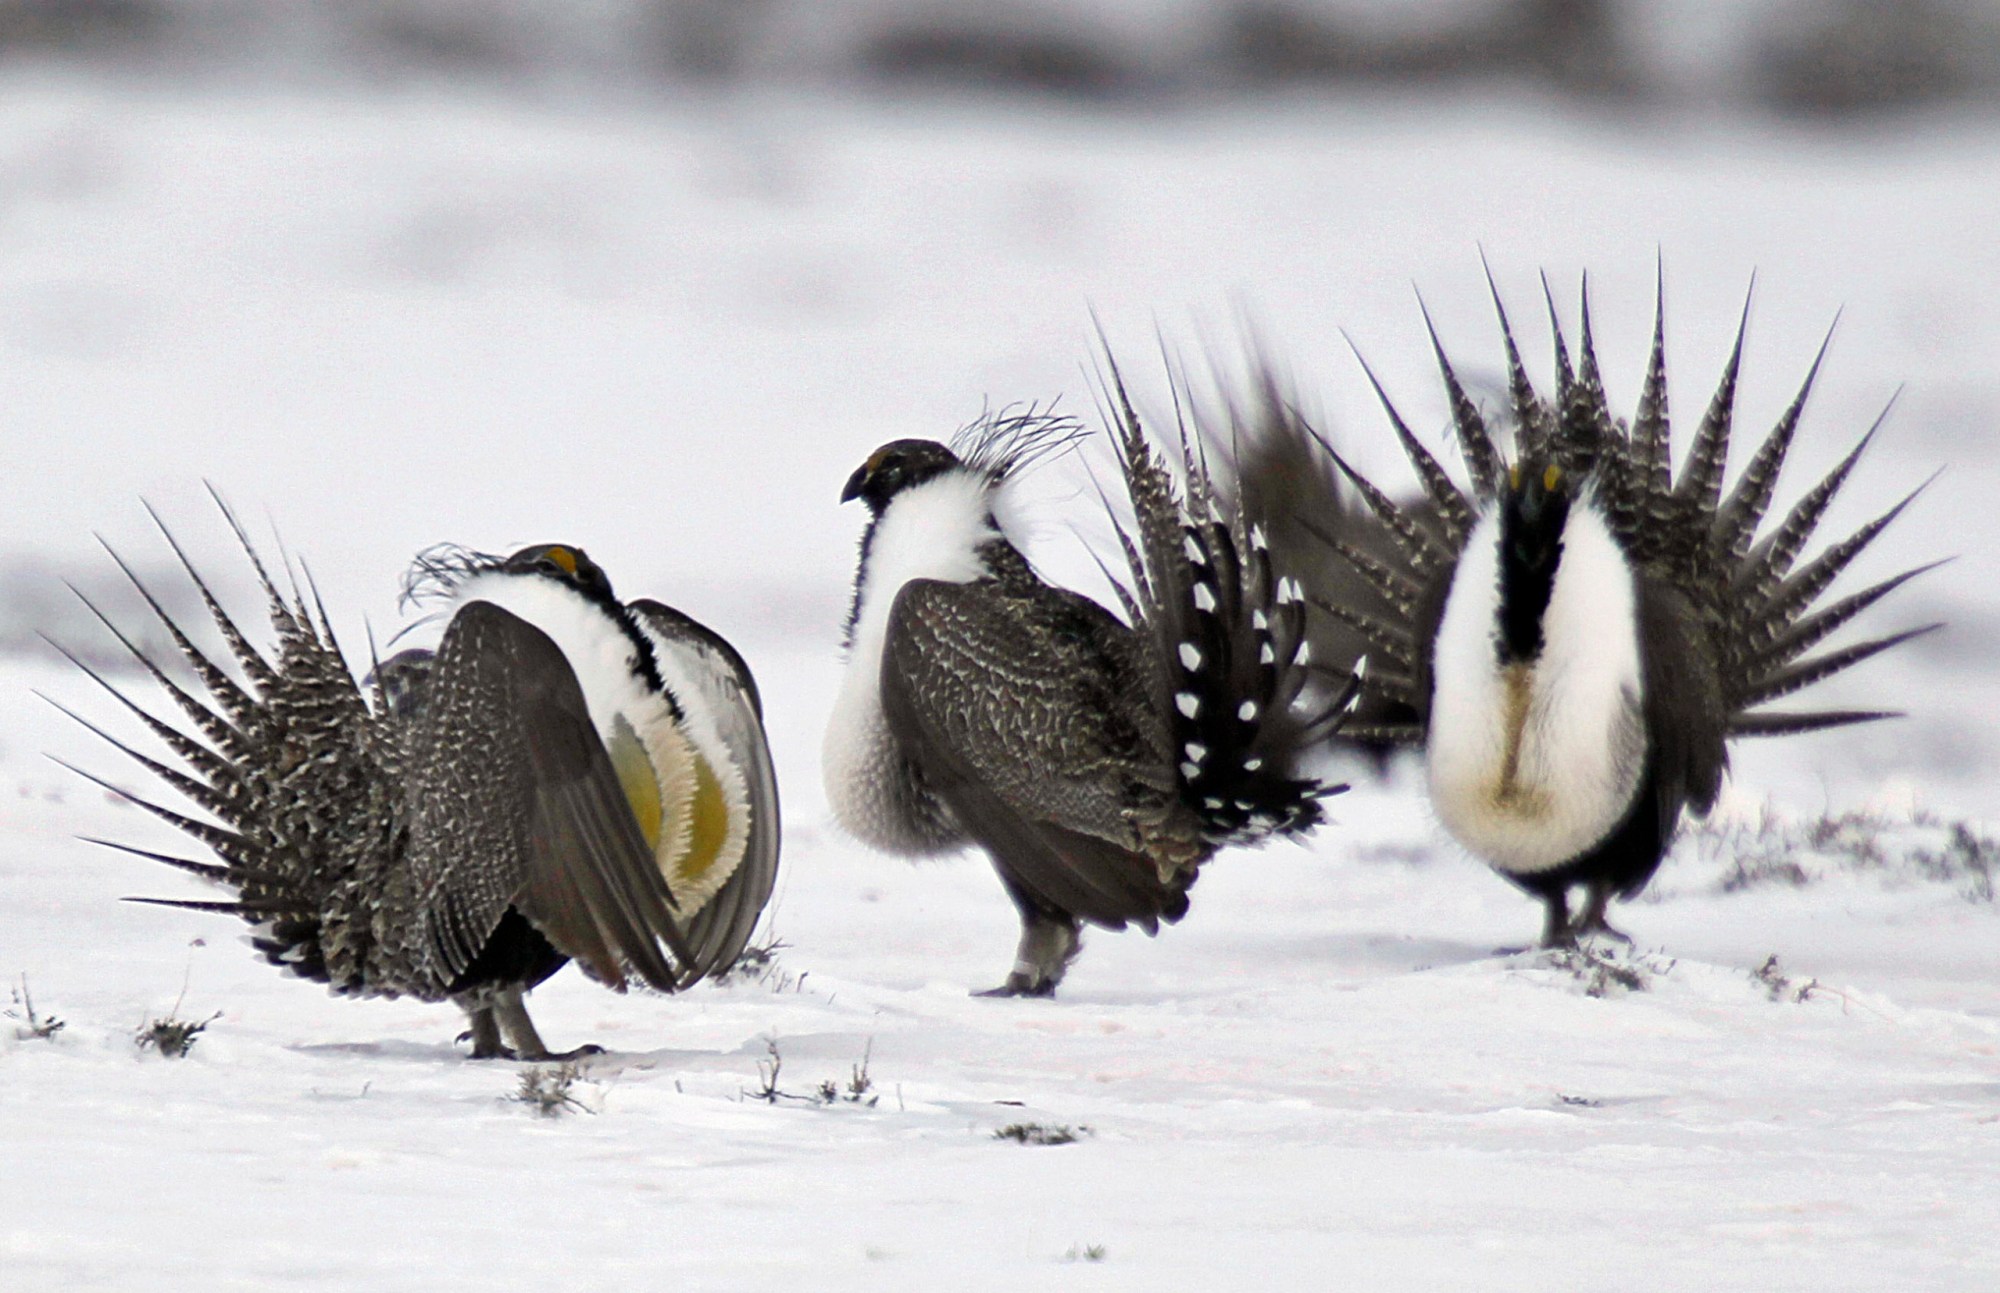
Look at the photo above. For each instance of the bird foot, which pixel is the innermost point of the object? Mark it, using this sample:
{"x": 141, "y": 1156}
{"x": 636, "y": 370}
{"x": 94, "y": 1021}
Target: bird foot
{"x": 584, "y": 1051}
{"x": 1599, "y": 928}
{"x": 1019, "y": 986}
{"x": 492, "y": 1052}
{"x": 501, "y": 1051}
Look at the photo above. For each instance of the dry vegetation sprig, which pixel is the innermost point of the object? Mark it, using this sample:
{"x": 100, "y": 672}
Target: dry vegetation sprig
{"x": 1781, "y": 986}
{"x": 171, "y": 1035}
{"x": 1606, "y": 972}
{"x": 756, "y": 963}
{"x": 1042, "y": 1133}
{"x": 547, "y": 1089}
{"x": 31, "y": 1026}
{"x": 858, "y": 1089}
{"x": 1921, "y": 847}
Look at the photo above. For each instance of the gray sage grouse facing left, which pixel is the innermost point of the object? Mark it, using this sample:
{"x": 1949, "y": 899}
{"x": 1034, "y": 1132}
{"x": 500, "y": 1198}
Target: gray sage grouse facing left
{"x": 566, "y": 777}
{"x": 1098, "y": 761}
{"x": 1574, "y": 639}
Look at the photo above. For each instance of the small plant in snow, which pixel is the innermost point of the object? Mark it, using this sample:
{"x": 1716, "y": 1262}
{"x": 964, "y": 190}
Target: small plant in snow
{"x": 31, "y": 1026}
{"x": 1041, "y": 1133}
{"x": 767, "y": 1074}
{"x": 858, "y": 1090}
{"x": 1781, "y": 986}
{"x": 1968, "y": 857}
{"x": 757, "y": 963}
{"x": 1920, "y": 847}
{"x": 546, "y": 1088}
{"x": 173, "y": 1036}
{"x": 1603, "y": 970}
{"x": 859, "y": 1085}
{"x": 1085, "y": 1253}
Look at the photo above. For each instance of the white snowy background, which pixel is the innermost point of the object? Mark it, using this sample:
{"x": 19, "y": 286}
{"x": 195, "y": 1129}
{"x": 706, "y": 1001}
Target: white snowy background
{"x": 664, "y": 321}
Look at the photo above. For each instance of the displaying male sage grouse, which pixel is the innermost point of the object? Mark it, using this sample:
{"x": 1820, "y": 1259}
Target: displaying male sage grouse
{"x": 564, "y": 777}
{"x": 1099, "y": 762}
{"x": 1577, "y": 638}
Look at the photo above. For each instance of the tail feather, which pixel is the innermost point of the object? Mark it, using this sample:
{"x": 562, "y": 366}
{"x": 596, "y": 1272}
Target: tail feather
{"x": 238, "y": 706}
{"x": 1565, "y": 377}
{"x": 284, "y": 762}
{"x": 190, "y": 751}
{"x": 1701, "y": 478}
{"x": 1798, "y": 592}
{"x": 1229, "y": 631}
{"x": 1475, "y": 442}
{"x": 226, "y": 844}
{"x": 1807, "y": 672}
{"x": 1395, "y": 642}
{"x": 204, "y": 870}
{"x": 207, "y": 797}
{"x": 233, "y": 743}
{"x": 259, "y": 671}
{"x": 1809, "y": 632}
{"x": 1389, "y": 583}
{"x": 1424, "y": 553}
{"x": 1652, "y": 448}
{"x": 1757, "y": 602}
{"x": 1531, "y": 421}
{"x": 1797, "y": 723}
{"x": 248, "y": 909}
{"x": 1737, "y": 520}
{"x": 1589, "y": 391}
{"x": 1453, "y": 509}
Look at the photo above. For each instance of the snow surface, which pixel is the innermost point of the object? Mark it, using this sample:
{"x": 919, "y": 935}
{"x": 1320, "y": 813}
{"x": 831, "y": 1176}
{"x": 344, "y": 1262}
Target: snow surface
{"x": 667, "y": 332}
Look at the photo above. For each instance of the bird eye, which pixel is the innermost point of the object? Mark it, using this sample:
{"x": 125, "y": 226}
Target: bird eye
{"x": 1514, "y": 476}
{"x": 1552, "y": 477}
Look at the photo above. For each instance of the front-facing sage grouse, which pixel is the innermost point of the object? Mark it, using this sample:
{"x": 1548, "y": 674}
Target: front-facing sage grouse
{"x": 566, "y": 777}
{"x": 1575, "y": 640}
{"x": 1098, "y": 761}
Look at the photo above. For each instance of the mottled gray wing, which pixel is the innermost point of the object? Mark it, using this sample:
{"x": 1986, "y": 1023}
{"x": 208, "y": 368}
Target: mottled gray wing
{"x": 718, "y": 932}
{"x": 1025, "y": 716}
{"x": 512, "y": 801}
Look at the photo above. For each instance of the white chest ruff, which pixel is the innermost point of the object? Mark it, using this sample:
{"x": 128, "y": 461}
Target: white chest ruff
{"x": 1532, "y": 765}
{"x": 695, "y": 774}
{"x": 933, "y": 531}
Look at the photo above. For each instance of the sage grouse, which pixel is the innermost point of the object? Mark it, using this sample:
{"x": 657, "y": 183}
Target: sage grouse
{"x": 1576, "y": 639}
{"x": 565, "y": 777}
{"x": 1099, "y": 762}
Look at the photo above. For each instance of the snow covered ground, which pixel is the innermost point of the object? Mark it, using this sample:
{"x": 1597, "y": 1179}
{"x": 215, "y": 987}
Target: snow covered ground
{"x": 667, "y": 331}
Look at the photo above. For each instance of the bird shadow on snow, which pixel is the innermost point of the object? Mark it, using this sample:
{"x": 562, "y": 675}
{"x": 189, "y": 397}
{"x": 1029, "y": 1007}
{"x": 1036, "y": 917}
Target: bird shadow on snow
{"x": 407, "y": 1052}
{"x": 443, "y": 1053}
{"x": 1365, "y": 951}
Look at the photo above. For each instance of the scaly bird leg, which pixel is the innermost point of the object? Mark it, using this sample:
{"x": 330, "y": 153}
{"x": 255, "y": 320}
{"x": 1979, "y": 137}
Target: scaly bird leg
{"x": 512, "y": 1013}
{"x": 1556, "y": 929}
{"x": 1048, "y": 944}
{"x": 1592, "y": 921}
{"x": 484, "y": 1033}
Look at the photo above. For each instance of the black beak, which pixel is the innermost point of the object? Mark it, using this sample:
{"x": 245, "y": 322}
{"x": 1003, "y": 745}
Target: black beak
{"x": 855, "y": 484}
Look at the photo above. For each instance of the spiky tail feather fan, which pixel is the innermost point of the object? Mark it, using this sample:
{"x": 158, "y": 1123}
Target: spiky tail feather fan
{"x": 1755, "y": 604}
{"x": 1358, "y": 582}
{"x": 1229, "y": 633}
{"x": 293, "y": 764}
